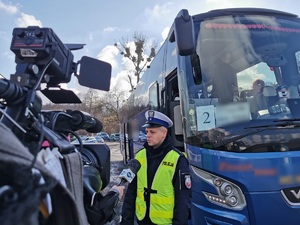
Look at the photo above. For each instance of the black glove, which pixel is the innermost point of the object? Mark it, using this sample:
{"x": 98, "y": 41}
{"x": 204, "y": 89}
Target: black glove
{"x": 99, "y": 209}
{"x": 103, "y": 208}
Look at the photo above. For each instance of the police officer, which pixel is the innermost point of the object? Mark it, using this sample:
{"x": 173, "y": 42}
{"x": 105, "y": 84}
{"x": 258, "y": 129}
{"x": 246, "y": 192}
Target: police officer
{"x": 160, "y": 193}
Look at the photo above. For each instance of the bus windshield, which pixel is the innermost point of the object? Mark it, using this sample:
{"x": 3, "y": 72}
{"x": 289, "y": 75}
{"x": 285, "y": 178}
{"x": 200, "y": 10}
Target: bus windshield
{"x": 249, "y": 77}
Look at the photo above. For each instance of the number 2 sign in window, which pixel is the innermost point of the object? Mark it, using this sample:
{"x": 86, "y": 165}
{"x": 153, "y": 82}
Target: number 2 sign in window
{"x": 205, "y": 117}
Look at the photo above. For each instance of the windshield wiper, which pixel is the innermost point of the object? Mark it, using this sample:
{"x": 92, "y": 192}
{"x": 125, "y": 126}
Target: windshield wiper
{"x": 256, "y": 129}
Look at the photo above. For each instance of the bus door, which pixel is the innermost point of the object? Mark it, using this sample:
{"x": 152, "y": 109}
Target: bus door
{"x": 172, "y": 108}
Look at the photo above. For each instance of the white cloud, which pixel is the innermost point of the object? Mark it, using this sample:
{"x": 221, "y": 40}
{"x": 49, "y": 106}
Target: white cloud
{"x": 120, "y": 81}
{"x": 91, "y": 36}
{"x": 28, "y": 20}
{"x": 159, "y": 11}
{"x": 10, "y": 9}
{"x": 158, "y": 16}
{"x": 108, "y": 54}
{"x": 110, "y": 29}
{"x": 119, "y": 77}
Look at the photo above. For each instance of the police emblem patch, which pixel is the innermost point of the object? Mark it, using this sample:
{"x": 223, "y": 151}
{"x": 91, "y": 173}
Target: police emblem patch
{"x": 187, "y": 181}
{"x": 150, "y": 113}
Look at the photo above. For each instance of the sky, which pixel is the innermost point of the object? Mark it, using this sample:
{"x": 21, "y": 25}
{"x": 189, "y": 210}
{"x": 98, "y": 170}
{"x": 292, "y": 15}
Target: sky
{"x": 99, "y": 24}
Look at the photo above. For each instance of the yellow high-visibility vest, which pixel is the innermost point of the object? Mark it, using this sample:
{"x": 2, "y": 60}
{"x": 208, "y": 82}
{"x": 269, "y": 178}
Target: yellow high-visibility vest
{"x": 161, "y": 203}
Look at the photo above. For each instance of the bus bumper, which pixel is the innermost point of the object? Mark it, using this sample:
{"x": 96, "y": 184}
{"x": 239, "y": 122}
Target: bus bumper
{"x": 207, "y": 216}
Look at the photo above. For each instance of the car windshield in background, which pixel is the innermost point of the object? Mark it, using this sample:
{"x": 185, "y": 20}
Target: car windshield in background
{"x": 114, "y": 137}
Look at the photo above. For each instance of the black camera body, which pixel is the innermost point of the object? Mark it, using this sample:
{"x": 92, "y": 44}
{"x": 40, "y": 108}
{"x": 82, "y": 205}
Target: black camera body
{"x": 40, "y": 46}
{"x": 41, "y": 57}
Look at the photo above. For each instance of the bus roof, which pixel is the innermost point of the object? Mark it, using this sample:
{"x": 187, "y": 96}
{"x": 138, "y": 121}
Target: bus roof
{"x": 243, "y": 11}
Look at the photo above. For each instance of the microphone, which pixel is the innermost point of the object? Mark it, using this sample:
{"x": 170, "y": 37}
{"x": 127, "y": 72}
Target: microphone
{"x": 131, "y": 169}
{"x": 104, "y": 207}
{"x": 82, "y": 120}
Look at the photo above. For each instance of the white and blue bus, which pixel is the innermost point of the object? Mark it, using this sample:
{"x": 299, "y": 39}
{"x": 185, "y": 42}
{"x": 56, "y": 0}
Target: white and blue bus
{"x": 242, "y": 141}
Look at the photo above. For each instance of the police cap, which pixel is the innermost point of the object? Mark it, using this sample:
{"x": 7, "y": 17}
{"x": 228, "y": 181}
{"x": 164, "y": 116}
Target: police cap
{"x": 157, "y": 119}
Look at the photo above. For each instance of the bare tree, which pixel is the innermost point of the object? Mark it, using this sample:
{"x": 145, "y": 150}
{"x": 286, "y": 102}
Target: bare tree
{"x": 112, "y": 100}
{"x": 91, "y": 100}
{"x": 136, "y": 55}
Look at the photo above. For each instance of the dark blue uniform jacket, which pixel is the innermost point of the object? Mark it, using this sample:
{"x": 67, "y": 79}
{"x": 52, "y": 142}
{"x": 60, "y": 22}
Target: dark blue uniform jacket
{"x": 182, "y": 192}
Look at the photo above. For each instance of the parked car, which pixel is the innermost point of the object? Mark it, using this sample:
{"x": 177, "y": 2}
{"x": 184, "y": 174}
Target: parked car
{"x": 90, "y": 140}
{"x": 104, "y": 135}
{"x": 85, "y": 139}
{"x": 99, "y": 139}
{"x": 142, "y": 136}
{"x": 139, "y": 137}
{"x": 114, "y": 137}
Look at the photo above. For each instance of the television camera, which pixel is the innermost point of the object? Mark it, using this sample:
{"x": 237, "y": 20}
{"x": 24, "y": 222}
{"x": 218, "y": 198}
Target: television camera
{"x": 43, "y": 60}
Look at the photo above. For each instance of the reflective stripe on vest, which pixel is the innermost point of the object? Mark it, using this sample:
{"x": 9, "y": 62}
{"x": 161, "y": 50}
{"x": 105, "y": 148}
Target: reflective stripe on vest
{"x": 162, "y": 202}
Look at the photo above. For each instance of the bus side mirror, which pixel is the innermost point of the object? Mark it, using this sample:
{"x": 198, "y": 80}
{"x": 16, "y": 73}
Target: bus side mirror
{"x": 183, "y": 33}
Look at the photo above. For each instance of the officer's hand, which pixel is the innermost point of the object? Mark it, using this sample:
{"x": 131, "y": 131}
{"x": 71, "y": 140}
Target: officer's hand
{"x": 120, "y": 189}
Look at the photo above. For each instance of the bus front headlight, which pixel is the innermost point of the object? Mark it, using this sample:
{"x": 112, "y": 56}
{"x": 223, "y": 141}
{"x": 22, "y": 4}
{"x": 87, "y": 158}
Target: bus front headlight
{"x": 229, "y": 194}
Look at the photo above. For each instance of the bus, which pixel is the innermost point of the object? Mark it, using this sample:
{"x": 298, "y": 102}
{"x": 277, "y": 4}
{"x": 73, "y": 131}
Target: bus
{"x": 243, "y": 146}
